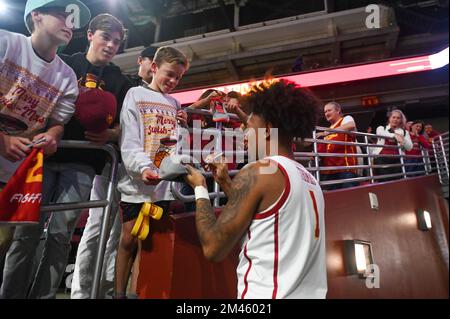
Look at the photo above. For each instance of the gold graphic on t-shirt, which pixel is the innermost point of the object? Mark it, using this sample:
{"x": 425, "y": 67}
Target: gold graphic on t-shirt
{"x": 91, "y": 82}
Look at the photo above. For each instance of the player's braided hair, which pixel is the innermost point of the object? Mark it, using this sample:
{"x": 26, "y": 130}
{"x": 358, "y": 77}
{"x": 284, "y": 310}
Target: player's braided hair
{"x": 290, "y": 108}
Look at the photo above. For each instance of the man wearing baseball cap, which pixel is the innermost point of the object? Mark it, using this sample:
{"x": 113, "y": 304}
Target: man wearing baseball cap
{"x": 78, "y": 14}
{"x": 145, "y": 60}
{"x": 31, "y": 67}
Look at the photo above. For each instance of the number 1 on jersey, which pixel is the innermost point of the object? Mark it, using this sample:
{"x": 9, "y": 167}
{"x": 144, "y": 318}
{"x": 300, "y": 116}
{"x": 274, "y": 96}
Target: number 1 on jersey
{"x": 316, "y": 213}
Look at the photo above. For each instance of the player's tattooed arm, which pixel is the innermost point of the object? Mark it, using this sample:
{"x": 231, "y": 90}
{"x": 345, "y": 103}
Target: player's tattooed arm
{"x": 219, "y": 235}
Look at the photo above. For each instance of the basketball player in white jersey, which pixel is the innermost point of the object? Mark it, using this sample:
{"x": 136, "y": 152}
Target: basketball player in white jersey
{"x": 278, "y": 217}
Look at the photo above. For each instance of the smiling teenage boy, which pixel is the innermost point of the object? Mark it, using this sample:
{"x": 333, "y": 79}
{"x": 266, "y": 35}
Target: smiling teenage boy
{"x": 99, "y": 80}
{"x": 94, "y": 69}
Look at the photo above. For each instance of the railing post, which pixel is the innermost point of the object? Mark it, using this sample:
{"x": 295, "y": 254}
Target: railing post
{"x": 438, "y": 168}
{"x": 369, "y": 159}
{"x": 424, "y": 159}
{"x": 104, "y": 233}
{"x": 316, "y": 156}
{"x": 218, "y": 149}
{"x": 402, "y": 160}
{"x": 106, "y": 204}
{"x": 430, "y": 168}
{"x": 444, "y": 155}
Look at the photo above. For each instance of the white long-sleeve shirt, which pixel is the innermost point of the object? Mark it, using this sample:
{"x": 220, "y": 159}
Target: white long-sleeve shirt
{"x": 384, "y": 131}
{"x": 147, "y": 118}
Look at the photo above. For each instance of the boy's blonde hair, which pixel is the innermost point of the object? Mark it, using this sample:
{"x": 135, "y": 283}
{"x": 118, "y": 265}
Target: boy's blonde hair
{"x": 170, "y": 55}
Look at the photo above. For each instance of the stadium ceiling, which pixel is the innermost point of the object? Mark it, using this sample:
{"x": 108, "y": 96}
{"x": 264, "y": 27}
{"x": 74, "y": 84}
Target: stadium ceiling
{"x": 315, "y": 34}
{"x": 234, "y": 40}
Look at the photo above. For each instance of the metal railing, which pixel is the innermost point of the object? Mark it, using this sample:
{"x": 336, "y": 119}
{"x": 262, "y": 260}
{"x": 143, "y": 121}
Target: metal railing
{"x": 312, "y": 163}
{"x": 106, "y": 204}
{"x": 312, "y": 160}
{"x": 370, "y": 155}
{"x": 440, "y": 150}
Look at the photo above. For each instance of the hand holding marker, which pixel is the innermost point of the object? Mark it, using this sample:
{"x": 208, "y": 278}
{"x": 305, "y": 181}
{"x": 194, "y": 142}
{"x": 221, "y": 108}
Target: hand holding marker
{"x": 42, "y": 139}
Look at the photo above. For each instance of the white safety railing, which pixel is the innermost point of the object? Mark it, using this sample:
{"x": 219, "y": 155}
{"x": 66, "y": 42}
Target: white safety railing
{"x": 106, "y": 204}
{"x": 312, "y": 160}
{"x": 440, "y": 149}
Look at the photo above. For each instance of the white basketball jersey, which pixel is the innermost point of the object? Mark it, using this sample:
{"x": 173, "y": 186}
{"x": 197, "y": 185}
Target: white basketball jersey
{"x": 283, "y": 252}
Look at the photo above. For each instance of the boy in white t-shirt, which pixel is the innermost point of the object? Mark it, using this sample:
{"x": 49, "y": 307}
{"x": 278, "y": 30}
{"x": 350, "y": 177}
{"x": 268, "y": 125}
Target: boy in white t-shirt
{"x": 37, "y": 89}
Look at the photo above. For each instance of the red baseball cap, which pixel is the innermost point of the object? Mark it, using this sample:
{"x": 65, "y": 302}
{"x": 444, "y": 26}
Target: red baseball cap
{"x": 95, "y": 109}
